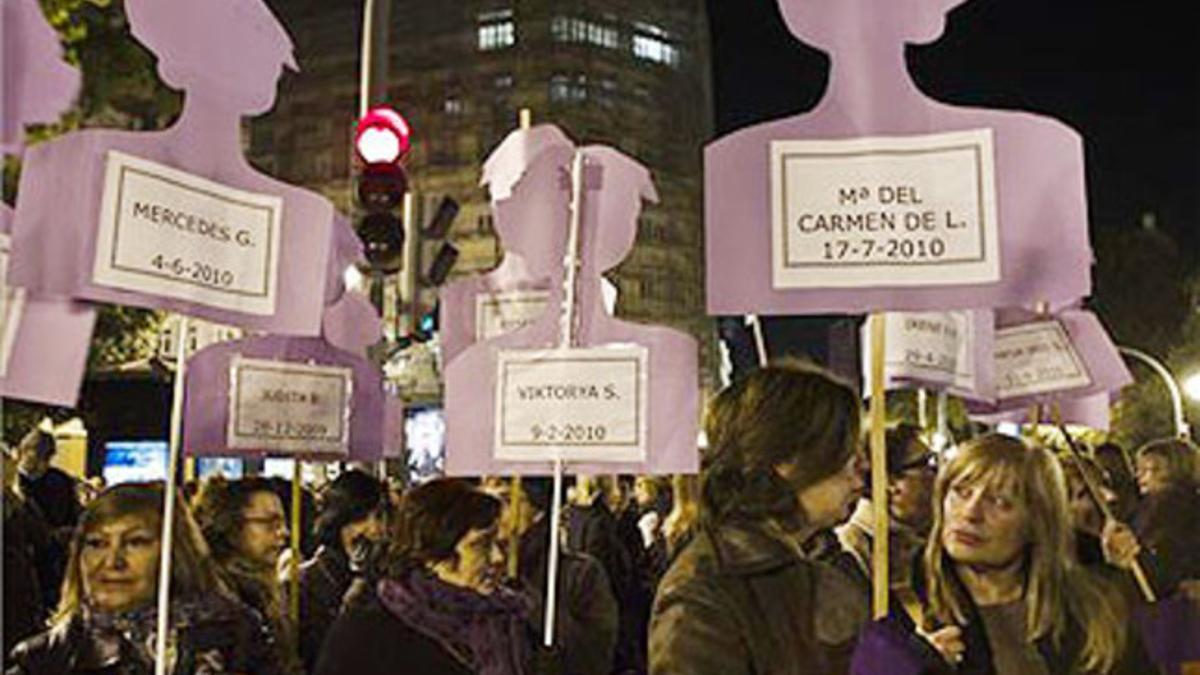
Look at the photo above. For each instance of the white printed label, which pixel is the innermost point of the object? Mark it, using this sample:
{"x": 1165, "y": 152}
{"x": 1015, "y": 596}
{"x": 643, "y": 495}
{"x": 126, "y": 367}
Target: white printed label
{"x": 1037, "y": 358}
{"x": 289, "y": 407}
{"x": 886, "y": 211}
{"x": 168, "y": 233}
{"x": 12, "y": 305}
{"x": 505, "y": 312}
{"x": 577, "y": 404}
{"x": 935, "y": 347}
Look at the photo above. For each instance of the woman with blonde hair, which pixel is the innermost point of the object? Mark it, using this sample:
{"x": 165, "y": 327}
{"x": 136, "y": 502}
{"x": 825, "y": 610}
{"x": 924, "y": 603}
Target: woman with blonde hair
{"x": 1001, "y": 574}
{"x": 105, "y": 621}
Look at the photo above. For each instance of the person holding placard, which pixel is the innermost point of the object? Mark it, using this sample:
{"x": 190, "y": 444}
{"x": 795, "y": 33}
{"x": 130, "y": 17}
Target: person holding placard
{"x": 106, "y": 620}
{"x": 1003, "y": 591}
{"x": 246, "y": 529}
{"x": 1166, "y": 477}
{"x": 742, "y": 597}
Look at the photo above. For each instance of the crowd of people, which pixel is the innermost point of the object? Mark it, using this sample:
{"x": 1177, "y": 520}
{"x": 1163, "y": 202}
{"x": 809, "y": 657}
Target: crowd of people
{"x": 1005, "y": 558}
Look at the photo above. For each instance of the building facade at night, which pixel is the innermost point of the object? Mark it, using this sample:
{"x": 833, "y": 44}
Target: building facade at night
{"x": 634, "y": 75}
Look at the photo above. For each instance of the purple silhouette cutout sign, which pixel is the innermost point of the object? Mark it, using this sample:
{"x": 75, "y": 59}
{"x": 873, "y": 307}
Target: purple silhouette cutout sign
{"x": 624, "y": 397}
{"x": 178, "y": 219}
{"x": 43, "y": 342}
{"x": 278, "y": 395}
{"x": 881, "y": 198}
{"x": 510, "y": 296}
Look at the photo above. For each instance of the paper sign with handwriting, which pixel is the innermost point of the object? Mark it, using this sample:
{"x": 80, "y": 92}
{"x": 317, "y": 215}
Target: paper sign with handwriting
{"x": 283, "y": 407}
{"x": 578, "y": 404}
{"x": 1037, "y": 358}
{"x": 169, "y": 233}
{"x": 12, "y": 302}
{"x": 507, "y": 311}
{"x": 933, "y": 347}
{"x": 884, "y": 211}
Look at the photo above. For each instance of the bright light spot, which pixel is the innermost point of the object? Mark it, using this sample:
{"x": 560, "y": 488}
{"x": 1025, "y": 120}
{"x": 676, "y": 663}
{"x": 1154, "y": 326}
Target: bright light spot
{"x": 1191, "y": 386}
{"x": 377, "y": 145}
{"x": 353, "y": 278}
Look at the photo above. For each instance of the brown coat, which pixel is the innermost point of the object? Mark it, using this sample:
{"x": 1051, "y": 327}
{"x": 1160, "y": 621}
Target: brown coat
{"x": 740, "y": 599}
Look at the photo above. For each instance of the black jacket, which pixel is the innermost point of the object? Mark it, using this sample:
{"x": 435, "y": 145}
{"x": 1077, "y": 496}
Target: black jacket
{"x": 324, "y": 581}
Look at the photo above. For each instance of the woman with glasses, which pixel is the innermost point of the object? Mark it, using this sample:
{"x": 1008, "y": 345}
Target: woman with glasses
{"x": 245, "y": 526}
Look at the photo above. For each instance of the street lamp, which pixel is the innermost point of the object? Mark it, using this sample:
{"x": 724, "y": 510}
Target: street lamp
{"x": 1191, "y": 386}
{"x": 1193, "y": 383}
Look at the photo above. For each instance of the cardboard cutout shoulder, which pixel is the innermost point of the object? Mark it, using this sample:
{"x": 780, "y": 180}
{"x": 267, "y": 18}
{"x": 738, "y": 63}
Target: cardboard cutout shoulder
{"x": 614, "y": 187}
{"x": 882, "y": 198}
{"x": 178, "y": 219}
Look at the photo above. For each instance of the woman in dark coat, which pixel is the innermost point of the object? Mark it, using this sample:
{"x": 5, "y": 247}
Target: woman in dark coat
{"x": 743, "y": 598}
{"x": 105, "y": 622}
{"x": 440, "y": 607}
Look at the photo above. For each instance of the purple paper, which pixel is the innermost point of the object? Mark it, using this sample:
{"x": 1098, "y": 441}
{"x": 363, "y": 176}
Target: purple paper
{"x": 501, "y": 171}
{"x": 1039, "y": 175}
{"x": 226, "y": 55}
{"x": 1093, "y": 412}
{"x": 352, "y": 324}
{"x": 37, "y": 84}
{"x": 206, "y": 395}
{"x": 884, "y": 648}
{"x": 982, "y": 334}
{"x": 607, "y": 231}
{"x": 1170, "y": 631}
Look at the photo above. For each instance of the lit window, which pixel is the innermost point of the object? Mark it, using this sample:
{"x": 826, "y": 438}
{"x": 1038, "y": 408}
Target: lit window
{"x": 572, "y": 29}
{"x": 653, "y": 43}
{"x": 496, "y": 30}
{"x": 567, "y": 89}
{"x": 504, "y": 81}
{"x": 453, "y": 106}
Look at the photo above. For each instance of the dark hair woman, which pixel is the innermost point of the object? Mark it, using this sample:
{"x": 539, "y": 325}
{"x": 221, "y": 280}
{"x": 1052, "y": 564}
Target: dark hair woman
{"x": 245, "y": 526}
{"x": 743, "y": 597}
{"x": 1164, "y": 522}
{"x": 440, "y": 607}
{"x": 105, "y": 621}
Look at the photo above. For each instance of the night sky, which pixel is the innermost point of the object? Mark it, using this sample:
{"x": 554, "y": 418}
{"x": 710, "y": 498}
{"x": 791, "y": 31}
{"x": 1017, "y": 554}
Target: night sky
{"x": 1125, "y": 75}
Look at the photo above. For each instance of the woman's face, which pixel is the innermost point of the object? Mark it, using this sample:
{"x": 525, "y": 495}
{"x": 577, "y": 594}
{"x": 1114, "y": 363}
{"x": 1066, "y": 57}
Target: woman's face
{"x": 264, "y": 529}
{"x": 831, "y": 500}
{"x": 480, "y": 561}
{"x": 118, "y": 563}
{"x": 983, "y": 524}
{"x": 1153, "y": 474}
{"x": 644, "y": 491}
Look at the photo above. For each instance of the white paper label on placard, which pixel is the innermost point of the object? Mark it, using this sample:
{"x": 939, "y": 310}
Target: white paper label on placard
{"x": 289, "y": 407}
{"x": 885, "y": 211}
{"x": 12, "y": 305}
{"x": 577, "y": 404}
{"x": 168, "y": 233}
{"x": 935, "y": 347}
{"x": 507, "y": 311}
{"x": 1037, "y": 358}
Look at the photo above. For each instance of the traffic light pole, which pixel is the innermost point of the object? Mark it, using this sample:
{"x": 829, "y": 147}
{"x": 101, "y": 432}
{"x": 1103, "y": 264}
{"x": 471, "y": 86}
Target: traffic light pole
{"x": 373, "y": 75}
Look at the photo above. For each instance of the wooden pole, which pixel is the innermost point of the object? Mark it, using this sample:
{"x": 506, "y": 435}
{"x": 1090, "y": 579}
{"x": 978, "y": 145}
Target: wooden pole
{"x": 879, "y": 498}
{"x": 760, "y": 341}
{"x": 294, "y": 577}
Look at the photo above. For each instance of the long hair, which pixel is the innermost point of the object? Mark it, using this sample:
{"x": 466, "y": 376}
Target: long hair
{"x": 1059, "y": 593}
{"x": 193, "y": 574}
{"x": 685, "y": 510}
{"x": 1180, "y": 457}
{"x": 433, "y": 518}
{"x": 218, "y": 508}
{"x": 787, "y": 414}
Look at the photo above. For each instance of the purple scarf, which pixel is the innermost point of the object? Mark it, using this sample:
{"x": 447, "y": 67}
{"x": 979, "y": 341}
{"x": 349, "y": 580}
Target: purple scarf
{"x": 489, "y": 632}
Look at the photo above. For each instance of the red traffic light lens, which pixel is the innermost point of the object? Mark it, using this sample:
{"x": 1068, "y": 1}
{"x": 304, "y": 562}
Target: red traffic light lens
{"x": 383, "y": 137}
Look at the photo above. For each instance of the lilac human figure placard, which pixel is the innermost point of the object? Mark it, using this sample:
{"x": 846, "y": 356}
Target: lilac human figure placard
{"x": 43, "y": 342}
{"x": 510, "y": 296}
{"x": 881, "y": 198}
{"x": 289, "y": 419}
{"x": 1093, "y": 412}
{"x": 655, "y": 361}
{"x": 351, "y": 324}
{"x": 178, "y": 219}
{"x": 945, "y": 351}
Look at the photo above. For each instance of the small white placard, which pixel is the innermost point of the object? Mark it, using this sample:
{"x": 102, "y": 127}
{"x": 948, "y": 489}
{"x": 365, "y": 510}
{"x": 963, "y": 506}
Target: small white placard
{"x": 169, "y": 233}
{"x": 289, "y": 407}
{"x": 507, "y": 311}
{"x": 884, "y": 211}
{"x": 934, "y": 347}
{"x": 578, "y": 404}
{"x": 12, "y": 304}
{"x": 1037, "y": 358}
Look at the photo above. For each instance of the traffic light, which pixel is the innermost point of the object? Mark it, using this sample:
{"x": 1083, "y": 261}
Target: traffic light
{"x": 381, "y": 143}
{"x": 447, "y": 255}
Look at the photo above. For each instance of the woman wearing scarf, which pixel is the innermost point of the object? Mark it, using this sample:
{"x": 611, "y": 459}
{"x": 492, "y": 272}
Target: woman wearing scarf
{"x": 440, "y": 607}
{"x": 105, "y": 622}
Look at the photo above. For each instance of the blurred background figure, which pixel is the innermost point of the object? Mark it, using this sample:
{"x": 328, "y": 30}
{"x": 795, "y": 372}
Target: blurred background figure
{"x": 106, "y": 620}
{"x": 53, "y": 491}
{"x": 440, "y": 606}
{"x": 1166, "y": 525}
{"x": 26, "y": 544}
{"x": 351, "y": 524}
{"x": 245, "y": 526}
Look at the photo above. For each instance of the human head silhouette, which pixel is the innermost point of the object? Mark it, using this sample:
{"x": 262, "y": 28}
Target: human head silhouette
{"x": 233, "y": 50}
{"x": 40, "y": 85}
{"x": 835, "y": 25}
{"x": 609, "y": 236}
